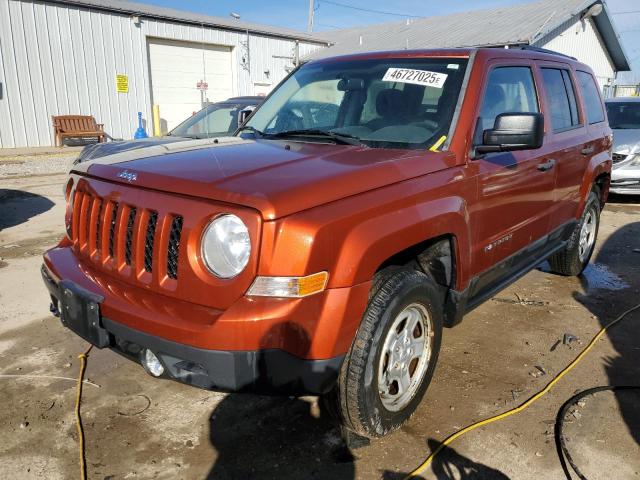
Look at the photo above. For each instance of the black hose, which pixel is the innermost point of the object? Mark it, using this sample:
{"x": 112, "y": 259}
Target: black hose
{"x": 561, "y": 446}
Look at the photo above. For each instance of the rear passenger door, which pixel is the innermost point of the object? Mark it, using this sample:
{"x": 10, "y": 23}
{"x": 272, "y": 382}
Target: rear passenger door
{"x": 515, "y": 194}
{"x": 564, "y": 139}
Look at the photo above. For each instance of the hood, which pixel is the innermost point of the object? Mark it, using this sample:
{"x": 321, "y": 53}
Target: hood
{"x": 276, "y": 178}
{"x": 626, "y": 141}
{"x": 98, "y": 150}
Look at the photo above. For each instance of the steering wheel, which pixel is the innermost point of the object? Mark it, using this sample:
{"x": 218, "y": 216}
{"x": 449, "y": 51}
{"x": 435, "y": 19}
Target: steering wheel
{"x": 288, "y": 120}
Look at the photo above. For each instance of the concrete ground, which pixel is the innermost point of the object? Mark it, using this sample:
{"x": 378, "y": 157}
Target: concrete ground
{"x": 139, "y": 427}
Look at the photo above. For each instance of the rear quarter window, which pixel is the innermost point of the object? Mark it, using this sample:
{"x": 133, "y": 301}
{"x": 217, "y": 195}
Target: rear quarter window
{"x": 591, "y": 97}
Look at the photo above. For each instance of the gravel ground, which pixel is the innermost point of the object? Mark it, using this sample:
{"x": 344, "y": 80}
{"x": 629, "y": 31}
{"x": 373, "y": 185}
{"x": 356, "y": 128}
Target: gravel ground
{"x": 27, "y": 165}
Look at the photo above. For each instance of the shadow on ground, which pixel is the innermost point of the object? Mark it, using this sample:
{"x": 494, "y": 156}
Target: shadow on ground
{"x": 18, "y": 206}
{"x": 275, "y": 437}
{"x": 450, "y": 465}
{"x": 620, "y": 255}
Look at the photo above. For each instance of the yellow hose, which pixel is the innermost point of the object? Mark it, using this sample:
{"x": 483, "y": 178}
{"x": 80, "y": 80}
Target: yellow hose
{"x": 83, "y": 366}
{"x": 524, "y": 405}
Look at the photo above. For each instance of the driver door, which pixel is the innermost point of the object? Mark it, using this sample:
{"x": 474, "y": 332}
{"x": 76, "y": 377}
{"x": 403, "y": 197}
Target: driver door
{"x": 515, "y": 189}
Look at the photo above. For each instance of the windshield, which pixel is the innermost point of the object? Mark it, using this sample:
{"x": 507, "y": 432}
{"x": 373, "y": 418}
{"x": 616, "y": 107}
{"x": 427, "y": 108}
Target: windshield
{"x": 213, "y": 120}
{"x": 624, "y": 115}
{"x": 386, "y": 103}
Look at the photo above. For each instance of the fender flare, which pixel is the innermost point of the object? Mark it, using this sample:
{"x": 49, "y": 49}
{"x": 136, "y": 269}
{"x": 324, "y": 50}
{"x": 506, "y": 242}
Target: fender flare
{"x": 598, "y": 165}
{"x": 364, "y": 249}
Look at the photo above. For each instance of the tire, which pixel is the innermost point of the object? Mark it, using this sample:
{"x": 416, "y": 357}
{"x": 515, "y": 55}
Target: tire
{"x": 575, "y": 256}
{"x": 397, "y": 294}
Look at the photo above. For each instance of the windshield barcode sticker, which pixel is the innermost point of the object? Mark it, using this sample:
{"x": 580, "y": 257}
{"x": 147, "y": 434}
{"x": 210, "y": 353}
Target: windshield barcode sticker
{"x": 417, "y": 77}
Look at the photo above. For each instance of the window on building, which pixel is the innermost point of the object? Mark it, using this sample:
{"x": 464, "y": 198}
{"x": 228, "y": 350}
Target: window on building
{"x": 561, "y": 98}
{"x": 509, "y": 90}
{"x": 591, "y": 97}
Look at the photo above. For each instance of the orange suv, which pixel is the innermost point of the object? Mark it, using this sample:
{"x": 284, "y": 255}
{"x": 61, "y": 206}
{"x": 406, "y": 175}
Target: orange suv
{"x": 371, "y": 200}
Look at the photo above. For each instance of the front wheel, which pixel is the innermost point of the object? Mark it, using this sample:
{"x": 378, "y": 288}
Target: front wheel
{"x": 392, "y": 359}
{"x": 575, "y": 256}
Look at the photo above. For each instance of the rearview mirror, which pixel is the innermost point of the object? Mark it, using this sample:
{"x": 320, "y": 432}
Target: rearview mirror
{"x": 350, "y": 84}
{"x": 513, "y": 131}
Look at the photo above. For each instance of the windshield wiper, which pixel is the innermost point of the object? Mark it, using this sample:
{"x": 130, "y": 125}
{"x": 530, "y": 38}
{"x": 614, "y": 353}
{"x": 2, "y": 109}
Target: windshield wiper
{"x": 254, "y": 130}
{"x": 343, "y": 138}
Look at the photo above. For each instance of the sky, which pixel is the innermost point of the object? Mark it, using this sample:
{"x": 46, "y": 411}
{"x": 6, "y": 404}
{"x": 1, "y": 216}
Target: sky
{"x": 328, "y": 15}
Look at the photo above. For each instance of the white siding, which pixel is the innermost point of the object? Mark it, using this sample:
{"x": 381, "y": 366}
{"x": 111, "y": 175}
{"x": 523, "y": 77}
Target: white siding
{"x": 57, "y": 60}
{"x": 581, "y": 40}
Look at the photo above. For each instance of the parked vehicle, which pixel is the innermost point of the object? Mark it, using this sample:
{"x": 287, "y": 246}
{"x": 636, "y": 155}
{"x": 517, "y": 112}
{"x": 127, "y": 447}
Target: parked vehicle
{"x": 371, "y": 200}
{"x": 624, "y": 119}
{"x": 214, "y": 120}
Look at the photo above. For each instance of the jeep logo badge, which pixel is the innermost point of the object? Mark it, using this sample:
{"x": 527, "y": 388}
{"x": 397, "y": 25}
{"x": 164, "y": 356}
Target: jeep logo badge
{"x": 128, "y": 176}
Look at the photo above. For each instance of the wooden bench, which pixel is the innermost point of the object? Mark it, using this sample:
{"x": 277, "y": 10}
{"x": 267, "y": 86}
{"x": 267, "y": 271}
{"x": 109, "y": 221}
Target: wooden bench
{"x": 76, "y": 126}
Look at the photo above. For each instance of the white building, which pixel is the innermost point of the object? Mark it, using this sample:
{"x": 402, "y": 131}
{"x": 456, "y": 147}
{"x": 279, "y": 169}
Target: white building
{"x": 112, "y": 59}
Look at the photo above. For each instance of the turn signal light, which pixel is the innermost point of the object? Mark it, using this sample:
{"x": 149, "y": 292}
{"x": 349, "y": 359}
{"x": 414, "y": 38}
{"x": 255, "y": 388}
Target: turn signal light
{"x": 291, "y": 287}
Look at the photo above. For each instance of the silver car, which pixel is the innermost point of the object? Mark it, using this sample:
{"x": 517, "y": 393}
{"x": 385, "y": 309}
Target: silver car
{"x": 624, "y": 119}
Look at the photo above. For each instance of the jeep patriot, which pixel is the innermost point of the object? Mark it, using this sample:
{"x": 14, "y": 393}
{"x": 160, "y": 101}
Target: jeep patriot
{"x": 370, "y": 201}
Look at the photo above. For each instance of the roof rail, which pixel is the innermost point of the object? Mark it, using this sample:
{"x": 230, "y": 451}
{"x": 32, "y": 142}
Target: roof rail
{"x": 544, "y": 50}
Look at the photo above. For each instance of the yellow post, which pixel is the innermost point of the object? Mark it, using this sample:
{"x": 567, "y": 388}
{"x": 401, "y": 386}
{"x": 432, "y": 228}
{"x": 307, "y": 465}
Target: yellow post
{"x": 157, "y": 131}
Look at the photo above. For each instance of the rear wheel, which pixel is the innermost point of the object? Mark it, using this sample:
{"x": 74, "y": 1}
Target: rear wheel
{"x": 392, "y": 359}
{"x": 574, "y": 258}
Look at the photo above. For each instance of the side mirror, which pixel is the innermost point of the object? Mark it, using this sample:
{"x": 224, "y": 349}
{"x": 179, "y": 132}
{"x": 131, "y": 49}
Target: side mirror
{"x": 513, "y": 131}
{"x": 244, "y": 114}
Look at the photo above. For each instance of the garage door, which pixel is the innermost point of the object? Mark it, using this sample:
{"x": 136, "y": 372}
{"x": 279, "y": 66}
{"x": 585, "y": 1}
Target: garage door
{"x": 176, "y": 70}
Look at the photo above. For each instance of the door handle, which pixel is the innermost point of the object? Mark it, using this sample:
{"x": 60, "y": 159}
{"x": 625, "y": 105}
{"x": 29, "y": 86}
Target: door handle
{"x": 587, "y": 150}
{"x": 548, "y": 165}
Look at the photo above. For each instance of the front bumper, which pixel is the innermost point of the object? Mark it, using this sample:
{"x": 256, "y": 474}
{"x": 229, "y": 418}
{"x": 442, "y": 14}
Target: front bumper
{"x": 263, "y": 345}
{"x": 625, "y": 179}
{"x": 270, "y": 371}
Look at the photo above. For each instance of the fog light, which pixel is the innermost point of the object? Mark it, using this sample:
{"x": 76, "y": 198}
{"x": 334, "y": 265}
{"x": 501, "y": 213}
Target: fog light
{"x": 151, "y": 363}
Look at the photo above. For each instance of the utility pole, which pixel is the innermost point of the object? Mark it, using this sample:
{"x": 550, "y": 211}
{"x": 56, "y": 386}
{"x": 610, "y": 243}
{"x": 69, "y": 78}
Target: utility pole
{"x": 311, "y": 12}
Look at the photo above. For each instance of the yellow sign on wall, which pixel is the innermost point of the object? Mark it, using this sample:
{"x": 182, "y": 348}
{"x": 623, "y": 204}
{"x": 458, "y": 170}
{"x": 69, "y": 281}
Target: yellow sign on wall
{"x": 122, "y": 83}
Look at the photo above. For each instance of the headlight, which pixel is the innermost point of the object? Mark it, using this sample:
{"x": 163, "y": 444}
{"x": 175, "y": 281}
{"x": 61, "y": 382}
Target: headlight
{"x": 226, "y": 246}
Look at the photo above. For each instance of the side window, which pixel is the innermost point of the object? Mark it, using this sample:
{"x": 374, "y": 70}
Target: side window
{"x": 571, "y": 93}
{"x": 509, "y": 90}
{"x": 591, "y": 97}
{"x": 561, "y": 97}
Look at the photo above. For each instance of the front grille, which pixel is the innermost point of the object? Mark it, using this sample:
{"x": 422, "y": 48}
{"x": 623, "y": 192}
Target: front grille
{"x": 174, "y": 248}
{"x": 129, "y": 239}
{"x": 618, "y": 157}
{"x": 99, "y": 222}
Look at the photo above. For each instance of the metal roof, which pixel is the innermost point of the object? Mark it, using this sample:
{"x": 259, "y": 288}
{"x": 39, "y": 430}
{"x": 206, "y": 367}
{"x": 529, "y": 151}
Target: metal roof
{"x": 515, "y": 25}
{"x": 153, "y": 11}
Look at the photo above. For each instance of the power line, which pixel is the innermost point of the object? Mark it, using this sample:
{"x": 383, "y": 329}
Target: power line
{"x": 625, "y": 13}
{"x": 328, "y": 26}
{"x": 353, "y": 7}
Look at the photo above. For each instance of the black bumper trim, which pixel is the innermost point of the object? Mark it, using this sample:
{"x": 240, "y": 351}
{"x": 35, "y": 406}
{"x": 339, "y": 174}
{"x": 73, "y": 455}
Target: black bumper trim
{"x": 269, "y": 371}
